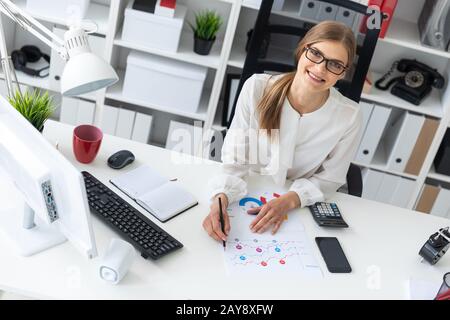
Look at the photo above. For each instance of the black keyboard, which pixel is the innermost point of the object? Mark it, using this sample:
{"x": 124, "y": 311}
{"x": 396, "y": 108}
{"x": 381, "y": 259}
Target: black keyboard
{"x": 152, "y": 241}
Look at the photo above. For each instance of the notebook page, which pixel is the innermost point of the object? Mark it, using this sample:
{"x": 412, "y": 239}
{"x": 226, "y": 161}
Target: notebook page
{"x": 139, "y": 181}
{"x": 167, "y": 200}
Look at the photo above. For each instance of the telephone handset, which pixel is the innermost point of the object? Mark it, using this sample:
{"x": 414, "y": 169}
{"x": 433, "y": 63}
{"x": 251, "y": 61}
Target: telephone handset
{"x": 417, "y": 82}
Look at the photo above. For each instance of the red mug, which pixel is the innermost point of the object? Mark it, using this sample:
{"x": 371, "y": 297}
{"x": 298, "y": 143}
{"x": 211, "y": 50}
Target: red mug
{"x": 86, "y": 142}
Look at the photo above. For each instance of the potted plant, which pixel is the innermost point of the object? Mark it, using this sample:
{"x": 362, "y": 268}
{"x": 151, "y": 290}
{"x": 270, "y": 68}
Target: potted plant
{"x": 35, "y": 106}
{"x": 207, "y": 24}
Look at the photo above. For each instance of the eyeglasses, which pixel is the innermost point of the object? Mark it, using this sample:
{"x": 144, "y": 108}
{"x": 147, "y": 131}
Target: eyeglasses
{"x": 316, "y": 56}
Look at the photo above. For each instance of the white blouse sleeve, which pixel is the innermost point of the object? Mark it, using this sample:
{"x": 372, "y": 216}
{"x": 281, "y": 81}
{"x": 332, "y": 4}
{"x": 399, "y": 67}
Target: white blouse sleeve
{"x": 235, "y": 165}
{"x": 333, "y": 171}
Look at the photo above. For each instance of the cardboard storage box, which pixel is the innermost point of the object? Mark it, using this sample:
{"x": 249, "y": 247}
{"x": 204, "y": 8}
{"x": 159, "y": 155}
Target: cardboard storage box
{"x": 163, "y": 82}
{"x": 151, "y": 30}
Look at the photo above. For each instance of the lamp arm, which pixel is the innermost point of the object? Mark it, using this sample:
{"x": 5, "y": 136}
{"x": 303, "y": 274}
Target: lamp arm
{"x": 28, "y": 23}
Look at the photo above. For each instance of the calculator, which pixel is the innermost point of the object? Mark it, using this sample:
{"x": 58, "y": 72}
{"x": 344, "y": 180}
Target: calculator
{"x": 327, "y": 215}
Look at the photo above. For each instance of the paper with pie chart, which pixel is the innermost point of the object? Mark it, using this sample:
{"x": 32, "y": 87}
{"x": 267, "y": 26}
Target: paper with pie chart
{"x": 287, "y": 251}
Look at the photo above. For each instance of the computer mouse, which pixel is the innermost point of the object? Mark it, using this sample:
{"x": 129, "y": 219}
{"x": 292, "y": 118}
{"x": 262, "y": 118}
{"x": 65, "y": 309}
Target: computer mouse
{"x": 120, "y": 159}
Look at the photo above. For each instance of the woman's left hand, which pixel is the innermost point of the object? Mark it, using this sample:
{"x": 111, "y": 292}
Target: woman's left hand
{"x": 273, "y": 212}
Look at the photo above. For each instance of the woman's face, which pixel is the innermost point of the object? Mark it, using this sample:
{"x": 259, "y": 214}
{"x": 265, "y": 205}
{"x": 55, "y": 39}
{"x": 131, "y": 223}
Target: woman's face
{"x": 315, "y": 76}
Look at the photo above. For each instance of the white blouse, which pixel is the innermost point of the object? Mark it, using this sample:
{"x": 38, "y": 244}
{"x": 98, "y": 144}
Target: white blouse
{"x": 314, "y": 149}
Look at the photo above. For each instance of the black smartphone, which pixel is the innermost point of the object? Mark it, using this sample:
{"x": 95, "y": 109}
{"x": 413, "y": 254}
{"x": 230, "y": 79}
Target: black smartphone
{"x": 333, "y": 255}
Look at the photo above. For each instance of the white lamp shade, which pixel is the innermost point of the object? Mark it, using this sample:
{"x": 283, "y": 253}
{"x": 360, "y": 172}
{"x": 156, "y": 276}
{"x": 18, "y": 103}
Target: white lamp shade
{"x": 86, "y": 72}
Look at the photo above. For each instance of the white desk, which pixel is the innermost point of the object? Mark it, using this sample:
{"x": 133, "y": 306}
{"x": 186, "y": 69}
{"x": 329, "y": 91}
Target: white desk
{"x": 381, "y": 244}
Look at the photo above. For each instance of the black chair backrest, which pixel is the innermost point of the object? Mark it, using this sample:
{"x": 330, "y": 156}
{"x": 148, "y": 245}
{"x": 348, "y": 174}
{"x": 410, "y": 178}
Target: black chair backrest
{"x": 254, "y": 64}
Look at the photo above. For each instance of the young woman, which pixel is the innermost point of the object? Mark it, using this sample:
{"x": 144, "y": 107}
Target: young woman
{"x": 313, "y": 129}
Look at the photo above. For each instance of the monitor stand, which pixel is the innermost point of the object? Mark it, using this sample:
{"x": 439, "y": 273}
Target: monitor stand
{"x": 27, "y": 234}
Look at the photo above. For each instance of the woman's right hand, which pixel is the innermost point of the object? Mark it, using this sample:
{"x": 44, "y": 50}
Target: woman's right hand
{"x": 212, "y": 221}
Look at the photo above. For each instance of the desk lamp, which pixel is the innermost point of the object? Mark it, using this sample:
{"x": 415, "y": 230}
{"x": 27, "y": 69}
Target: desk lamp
{"x": 84, "y": 71}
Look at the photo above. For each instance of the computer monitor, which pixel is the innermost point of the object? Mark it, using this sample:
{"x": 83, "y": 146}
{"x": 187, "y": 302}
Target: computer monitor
{"x": 53, "y": 204}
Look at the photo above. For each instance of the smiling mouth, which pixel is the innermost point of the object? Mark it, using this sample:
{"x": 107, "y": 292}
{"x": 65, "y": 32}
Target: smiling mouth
{"x": 314, "y": 77}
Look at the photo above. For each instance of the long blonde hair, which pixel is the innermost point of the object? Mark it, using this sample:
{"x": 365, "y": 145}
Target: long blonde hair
{"x": 274, "y": 96}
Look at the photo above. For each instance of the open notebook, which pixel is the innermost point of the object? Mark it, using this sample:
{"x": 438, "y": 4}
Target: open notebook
{"x": 158, "y": 195}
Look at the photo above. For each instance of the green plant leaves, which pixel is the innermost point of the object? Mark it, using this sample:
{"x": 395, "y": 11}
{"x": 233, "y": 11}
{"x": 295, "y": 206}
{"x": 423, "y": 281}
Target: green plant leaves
{"x": 207, "y": 24}
{"x": 35, "y": 106}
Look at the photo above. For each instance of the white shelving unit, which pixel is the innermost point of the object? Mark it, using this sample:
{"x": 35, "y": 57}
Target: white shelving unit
{"x": 228, "y": 55}
{"x": 184, "y": 52}
{"x": 380, "y": 167}
{"x": 97, "y": 12}
{"x": 437, "y": 176}
{"x": 431, "y": 106}
{"x": 23, "y": 78}
{"x": 402, "y": 40}
{"x": 405, "y": 33}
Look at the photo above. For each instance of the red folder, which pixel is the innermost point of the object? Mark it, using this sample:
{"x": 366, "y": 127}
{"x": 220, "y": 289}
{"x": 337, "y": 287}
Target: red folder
{"x": 387, "y": 8}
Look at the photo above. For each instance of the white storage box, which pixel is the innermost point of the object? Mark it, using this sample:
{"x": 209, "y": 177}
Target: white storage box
{"x": 163, "y": 82}
{"x": 151, "y": 30}
{"x": 277, "y": 4}
{"x": 63, "y": 9}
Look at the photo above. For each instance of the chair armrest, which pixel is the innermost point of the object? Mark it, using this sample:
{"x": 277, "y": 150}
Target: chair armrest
{"x": 354, "y": 180}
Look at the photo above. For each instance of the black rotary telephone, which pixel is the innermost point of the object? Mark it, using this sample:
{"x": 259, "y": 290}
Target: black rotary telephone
{"x": 417, "y": 82}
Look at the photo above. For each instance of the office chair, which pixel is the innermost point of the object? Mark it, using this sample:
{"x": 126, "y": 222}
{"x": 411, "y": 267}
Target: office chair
{"x": 349, "y": 88}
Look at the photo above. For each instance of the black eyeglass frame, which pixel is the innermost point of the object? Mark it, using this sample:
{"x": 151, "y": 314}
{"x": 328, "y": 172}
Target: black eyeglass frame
{"x": 307, "y": 48}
